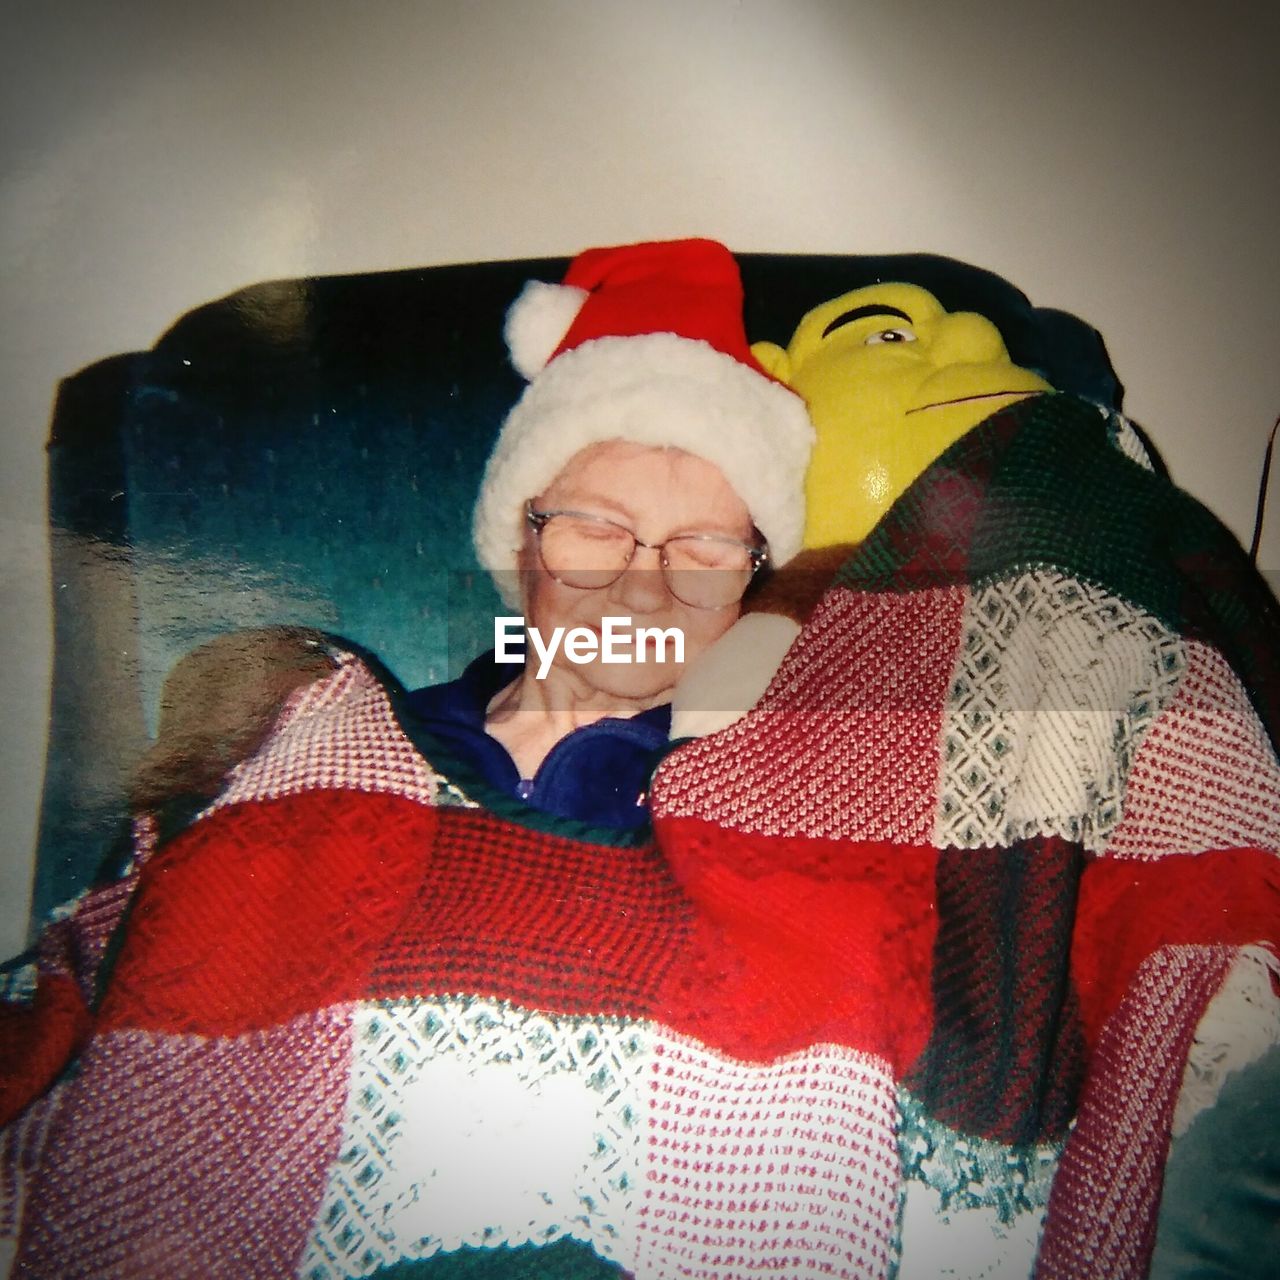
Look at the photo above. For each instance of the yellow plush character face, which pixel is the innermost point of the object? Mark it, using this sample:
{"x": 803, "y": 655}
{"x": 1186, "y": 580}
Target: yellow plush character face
{"x": 891, "y": 379}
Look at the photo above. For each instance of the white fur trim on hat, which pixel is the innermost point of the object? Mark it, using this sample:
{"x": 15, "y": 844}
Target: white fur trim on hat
{"x": 537, "y": 321}
{"x": 653, "y": 389}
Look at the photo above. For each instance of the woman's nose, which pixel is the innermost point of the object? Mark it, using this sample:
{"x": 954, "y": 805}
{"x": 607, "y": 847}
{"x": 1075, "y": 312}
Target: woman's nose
{"x": 641, "y": 587}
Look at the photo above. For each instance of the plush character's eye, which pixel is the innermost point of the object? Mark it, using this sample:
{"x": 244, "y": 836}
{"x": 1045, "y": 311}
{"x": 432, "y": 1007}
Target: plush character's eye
{"x": 890, "y": 335}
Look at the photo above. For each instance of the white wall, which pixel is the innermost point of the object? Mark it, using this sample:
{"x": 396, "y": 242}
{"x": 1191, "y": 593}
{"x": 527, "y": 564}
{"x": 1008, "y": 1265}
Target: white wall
{"x": 1122, "y": 167}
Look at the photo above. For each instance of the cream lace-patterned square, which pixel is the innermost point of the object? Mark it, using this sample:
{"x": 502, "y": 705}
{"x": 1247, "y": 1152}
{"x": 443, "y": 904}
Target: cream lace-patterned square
{"x": 973, "y": 1209}
{"x": 474, "y": 1122}
{"x": 1054, "y": 685}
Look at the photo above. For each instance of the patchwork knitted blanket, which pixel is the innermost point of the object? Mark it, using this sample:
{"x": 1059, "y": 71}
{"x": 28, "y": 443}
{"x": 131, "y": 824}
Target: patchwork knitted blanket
{"x": 919, "y": 971}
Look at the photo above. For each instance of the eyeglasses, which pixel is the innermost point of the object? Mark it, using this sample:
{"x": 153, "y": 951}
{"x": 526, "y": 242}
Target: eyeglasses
{"x": 702, "y": 570}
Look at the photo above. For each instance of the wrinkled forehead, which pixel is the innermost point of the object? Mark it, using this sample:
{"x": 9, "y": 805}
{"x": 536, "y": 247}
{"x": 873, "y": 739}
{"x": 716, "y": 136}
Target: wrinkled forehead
{"x": 900, "y": 303}
{"x": 653, "y": 485}
{"x": 618, "y": 466}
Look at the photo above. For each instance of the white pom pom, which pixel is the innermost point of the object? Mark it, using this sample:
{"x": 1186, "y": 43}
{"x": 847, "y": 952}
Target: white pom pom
{"x": 537, "y": 321}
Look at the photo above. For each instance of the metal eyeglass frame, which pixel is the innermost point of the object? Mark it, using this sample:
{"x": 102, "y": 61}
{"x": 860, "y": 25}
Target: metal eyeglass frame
{"x": 538, "y": 520}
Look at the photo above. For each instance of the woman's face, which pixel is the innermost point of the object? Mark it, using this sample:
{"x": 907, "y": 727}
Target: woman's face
{"x": 657, "y": 494}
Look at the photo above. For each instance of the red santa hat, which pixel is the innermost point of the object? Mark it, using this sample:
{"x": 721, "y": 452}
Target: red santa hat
{"x": 643, "y": 343}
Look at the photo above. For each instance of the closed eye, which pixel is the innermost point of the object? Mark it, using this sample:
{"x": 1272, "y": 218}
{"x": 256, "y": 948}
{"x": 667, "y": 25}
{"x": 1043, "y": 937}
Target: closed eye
{"x": 707, "y": 551}
{"x": 597, "y": 531}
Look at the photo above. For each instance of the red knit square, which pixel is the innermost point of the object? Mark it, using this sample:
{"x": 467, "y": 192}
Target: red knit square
{"x": 267, "y": 910}
{"x": 545, "y": 920}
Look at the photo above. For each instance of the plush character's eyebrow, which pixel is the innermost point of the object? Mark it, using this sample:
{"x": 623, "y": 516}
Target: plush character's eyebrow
{"x": 875, "y": 309}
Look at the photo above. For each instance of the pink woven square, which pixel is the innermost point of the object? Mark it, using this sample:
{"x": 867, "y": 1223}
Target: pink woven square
{"x": 187, "y": 1157}
{"x": 786, "y": 1168}
{"x": 845, "y": 741}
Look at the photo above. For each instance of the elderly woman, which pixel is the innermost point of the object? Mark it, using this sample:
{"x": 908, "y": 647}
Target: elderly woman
{"x": 647, "y": 475}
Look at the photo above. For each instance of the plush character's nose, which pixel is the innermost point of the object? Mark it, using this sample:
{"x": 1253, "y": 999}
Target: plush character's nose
{"x": 965, "y": 338}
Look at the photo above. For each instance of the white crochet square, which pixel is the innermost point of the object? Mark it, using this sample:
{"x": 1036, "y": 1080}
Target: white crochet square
{"x": 1054, "y": 685}
{"x": 973, "y": 1209}
{"x": 474, "y": 1122}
